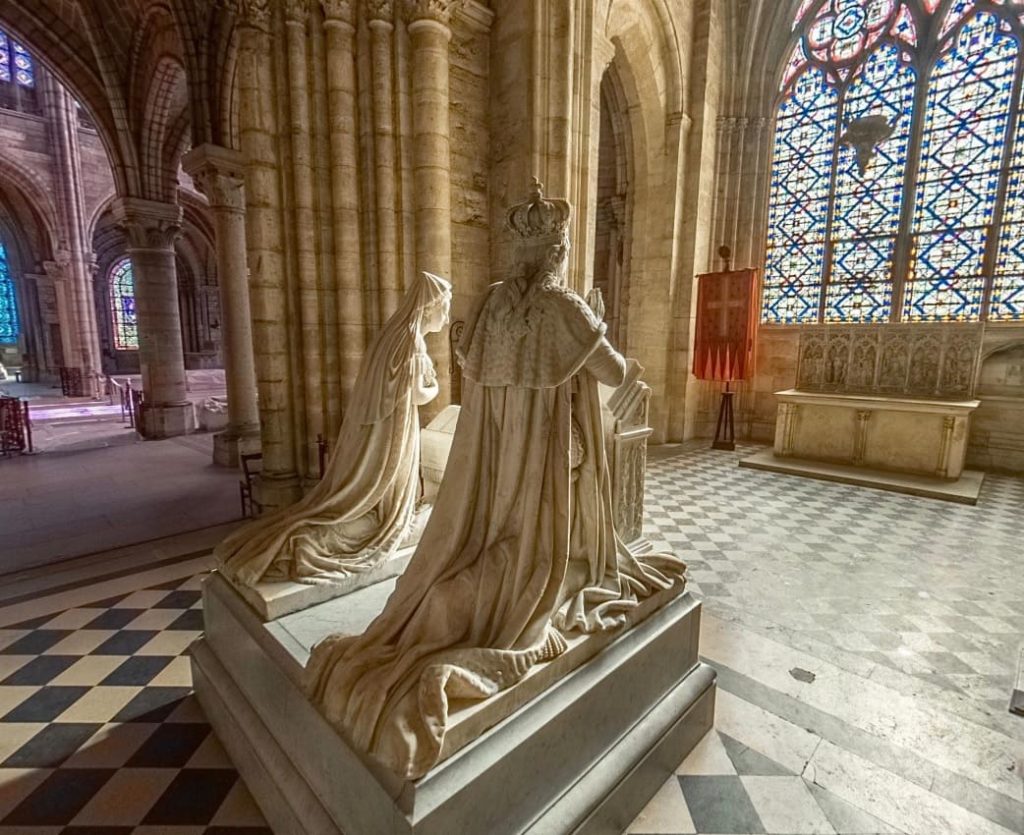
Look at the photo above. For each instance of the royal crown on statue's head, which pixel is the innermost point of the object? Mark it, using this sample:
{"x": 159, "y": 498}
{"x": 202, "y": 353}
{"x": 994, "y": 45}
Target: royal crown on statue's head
{"x": 540, "y": 220}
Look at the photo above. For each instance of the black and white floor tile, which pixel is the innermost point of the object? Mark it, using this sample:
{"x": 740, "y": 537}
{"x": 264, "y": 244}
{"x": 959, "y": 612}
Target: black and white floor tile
{"x": 100, "y": 734}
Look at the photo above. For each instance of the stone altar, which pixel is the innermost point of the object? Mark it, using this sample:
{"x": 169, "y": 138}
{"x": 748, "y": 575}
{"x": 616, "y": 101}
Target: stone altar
{"x": 878, "y": 403}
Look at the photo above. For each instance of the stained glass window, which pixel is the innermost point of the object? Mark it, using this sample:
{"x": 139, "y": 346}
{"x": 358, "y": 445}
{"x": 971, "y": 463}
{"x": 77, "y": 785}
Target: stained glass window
{"x": 799, "y": 208}
{"x": 965, "y": 129}
{"x": 1008, "y": 287}
{"x": 8, "y": 302}
{"x": 122, "y": 306}
{"x": 869, "y": 188}
{"x": 15, "y": 63}
{"x": 885, "y": 196}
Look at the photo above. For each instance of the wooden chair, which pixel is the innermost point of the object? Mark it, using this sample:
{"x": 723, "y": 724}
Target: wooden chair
{"x": 252, "y": 464}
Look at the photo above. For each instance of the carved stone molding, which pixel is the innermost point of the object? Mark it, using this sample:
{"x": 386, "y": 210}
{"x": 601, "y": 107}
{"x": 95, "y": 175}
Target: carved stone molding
{"x": 439, "y": 11}
{"x": 340, "y": 10}
{"x": 55, "y": 271}
{"x": 148, "y": 224}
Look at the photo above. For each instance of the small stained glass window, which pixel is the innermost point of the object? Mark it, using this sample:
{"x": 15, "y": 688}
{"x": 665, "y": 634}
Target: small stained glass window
{"x": 9, "y": 328}
{"x": 122, "y": 306}
{"x": 16, "y": 65}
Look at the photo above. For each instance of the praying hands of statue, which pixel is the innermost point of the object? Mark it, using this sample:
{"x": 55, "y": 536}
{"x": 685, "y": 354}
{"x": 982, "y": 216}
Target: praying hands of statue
{"x": 426, "y": 386}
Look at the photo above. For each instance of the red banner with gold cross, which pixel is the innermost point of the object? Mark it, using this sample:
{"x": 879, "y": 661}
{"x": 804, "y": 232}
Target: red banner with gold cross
{"x": 723, "y": 348}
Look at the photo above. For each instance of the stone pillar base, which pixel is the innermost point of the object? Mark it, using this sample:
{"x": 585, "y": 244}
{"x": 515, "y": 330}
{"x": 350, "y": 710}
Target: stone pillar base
{"x": 230, "y": 444}
{"x": 276, "y": 491}
{"x": 167, "y": 421}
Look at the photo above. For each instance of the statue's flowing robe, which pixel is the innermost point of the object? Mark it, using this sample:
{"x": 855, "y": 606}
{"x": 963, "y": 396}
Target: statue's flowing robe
{"x": 495, "y": 573}
{"x": 360, "y": 511}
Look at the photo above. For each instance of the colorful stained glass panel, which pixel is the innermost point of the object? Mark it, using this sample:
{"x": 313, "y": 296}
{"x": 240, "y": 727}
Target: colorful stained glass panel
{"x": 24, "y": 71}
{"x": 968, "y": 107}
{"x": 800, "y": 188}
{"x": 1007, "y": 301}
{"x": 9, "y": 328}
{"x": 877, "y": 113}
{"x": 5, "y": 58}
{"x": 122, "y": 306}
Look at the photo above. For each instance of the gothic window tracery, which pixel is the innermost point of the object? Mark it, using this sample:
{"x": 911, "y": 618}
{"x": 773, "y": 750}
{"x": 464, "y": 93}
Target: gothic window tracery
{"x": 122, "y": 306}
{"x": 896, "y": 181}
{"x": 9, "y": 327}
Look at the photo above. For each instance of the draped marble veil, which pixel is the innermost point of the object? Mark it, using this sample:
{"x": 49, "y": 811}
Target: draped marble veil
{"x": 359, "y": 512}
{"x": 507, "y": 559}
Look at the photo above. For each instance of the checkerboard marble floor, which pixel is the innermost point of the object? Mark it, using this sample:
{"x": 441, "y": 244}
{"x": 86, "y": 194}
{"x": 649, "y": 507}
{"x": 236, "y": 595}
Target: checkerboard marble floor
{"x": 832, "y": 614}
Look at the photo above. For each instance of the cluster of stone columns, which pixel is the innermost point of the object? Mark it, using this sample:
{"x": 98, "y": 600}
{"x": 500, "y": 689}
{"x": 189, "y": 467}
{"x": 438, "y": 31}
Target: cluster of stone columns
{"x": 330, "y": 232}
{"x": 70, "y": 271}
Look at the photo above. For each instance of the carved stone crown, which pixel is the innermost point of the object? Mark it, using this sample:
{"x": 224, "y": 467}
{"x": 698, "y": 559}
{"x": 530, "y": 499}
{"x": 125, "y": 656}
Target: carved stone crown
{"x": 540, "y": 220}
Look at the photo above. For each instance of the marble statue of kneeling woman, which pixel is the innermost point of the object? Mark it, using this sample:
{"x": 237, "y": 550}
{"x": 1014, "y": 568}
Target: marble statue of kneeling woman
{"x": 362, "y": 510}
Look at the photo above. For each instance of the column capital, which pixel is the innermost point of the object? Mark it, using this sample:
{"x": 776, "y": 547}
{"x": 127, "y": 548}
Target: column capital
{"x": 219, "y": 173}
{"x": 296, "y": 12}
{"x": 341, "y": 11}
{"x": 438, "y": 11}
{"x": 55, "y": 270}
{"x": 255, "y": 13}
{"x": 383, "y": 10}
{"x": 148, "y": 224}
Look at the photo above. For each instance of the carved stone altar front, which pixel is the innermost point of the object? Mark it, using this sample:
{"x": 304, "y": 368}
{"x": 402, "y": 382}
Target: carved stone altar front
{"x": 899, "y": 360}
{"x": 895, "y": 398}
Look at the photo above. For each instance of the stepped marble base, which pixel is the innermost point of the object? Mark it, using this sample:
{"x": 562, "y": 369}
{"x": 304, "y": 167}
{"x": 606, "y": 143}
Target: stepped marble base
{"x": 964, "y": 490}
{"x": 580, "y": 751}
{"x": 273, "y": 600}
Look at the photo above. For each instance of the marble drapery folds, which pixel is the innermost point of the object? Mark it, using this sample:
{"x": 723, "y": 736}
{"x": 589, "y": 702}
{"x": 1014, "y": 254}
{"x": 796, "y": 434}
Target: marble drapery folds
{"x": 521, "y": 543}
{"x": 360, "y": 511}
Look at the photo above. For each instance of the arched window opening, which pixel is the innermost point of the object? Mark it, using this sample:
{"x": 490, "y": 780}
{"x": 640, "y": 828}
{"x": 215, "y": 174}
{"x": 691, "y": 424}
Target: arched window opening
{"x": 896, "y": 177}
{"x": 17, "y": 77}
{"x": 122, "y": 306}
{"x": 9, "y": 326}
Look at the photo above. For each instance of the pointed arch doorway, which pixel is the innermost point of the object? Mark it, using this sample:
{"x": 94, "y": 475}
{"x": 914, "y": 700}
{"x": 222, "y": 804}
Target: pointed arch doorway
{"x": 612, "y": 236}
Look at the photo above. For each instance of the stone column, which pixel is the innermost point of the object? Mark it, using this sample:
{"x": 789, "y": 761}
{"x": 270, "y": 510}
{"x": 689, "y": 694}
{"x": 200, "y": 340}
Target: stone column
{"x": 339, "y": 25}
{"x": 380, "y": 17}
{"x": 430, "y": 33}
{"x": 258, "y": 127}
{"x": 78, "y": 322}
{"x": 219, "y": 174}
{"x": 304, "y": 227}
{"x": 151, "y": 229}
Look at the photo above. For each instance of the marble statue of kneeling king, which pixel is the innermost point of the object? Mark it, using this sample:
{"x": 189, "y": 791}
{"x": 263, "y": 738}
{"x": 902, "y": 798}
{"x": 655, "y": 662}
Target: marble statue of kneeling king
{"x": 521, "y": 550}
{"x": 363, "y": 509}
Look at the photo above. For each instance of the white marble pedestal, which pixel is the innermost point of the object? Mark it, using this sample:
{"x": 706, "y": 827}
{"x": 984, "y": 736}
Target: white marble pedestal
{"x": 564, "y": 752}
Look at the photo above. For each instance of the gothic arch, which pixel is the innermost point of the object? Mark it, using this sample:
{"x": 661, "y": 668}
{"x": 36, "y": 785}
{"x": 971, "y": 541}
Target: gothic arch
{"x": 642, "y": 51}
{"x": 36, "y": 194}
